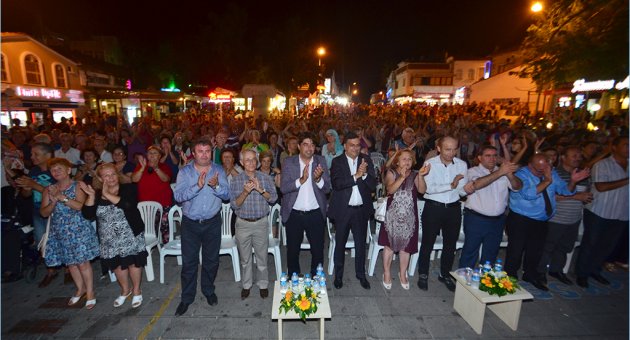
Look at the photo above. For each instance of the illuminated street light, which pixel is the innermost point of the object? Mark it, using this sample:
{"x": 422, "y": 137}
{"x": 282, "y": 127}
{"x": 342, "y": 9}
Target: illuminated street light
{"x": 321, "y": 51}
{"x": 537, "y": 7}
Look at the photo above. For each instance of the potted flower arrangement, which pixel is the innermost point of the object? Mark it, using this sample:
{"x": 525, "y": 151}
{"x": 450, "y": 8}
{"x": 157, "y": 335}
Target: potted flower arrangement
{"x": 498, "y": 284}
{"x": 303, "y": 304}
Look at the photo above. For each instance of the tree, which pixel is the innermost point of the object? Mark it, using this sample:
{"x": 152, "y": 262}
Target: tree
{"x": 576, "y": 39}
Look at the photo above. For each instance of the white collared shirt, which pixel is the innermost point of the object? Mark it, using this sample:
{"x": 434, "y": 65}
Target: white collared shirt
{"x": 355, "y": 198}
{"x": 611, "y": 204}
{"x": 441, "y": 176}
{"x": 306, "y": 199}
{"x": 106, "y": 157}
{"x": 492, "y": 199}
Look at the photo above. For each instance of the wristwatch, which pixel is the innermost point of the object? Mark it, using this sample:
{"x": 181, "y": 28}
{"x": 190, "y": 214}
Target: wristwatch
{"x": 65, "y": 200}
{"x": 263, "y": 191}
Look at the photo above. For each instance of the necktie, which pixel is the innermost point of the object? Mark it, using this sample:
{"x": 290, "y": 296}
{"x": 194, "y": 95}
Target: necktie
{"x": 548, "y": 208}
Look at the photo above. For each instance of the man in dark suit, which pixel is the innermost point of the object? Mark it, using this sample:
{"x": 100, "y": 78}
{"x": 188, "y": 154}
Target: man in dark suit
{"x": 353, "y": 181}
{"x": 305, "y": 183}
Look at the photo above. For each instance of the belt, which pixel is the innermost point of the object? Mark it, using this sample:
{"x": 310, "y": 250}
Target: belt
{"x": 302, "y": 212}
{"x": 252, "y": 219}
{"x": 201, "y": 221}
{"x": 482, "y": 215}
{"x": 355, "y": 206}
{"x": 440, "y": 204}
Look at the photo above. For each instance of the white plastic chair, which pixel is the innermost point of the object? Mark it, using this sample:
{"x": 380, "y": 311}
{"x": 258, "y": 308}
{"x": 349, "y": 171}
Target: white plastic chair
{"x": 333, "y": 242}
{"x": 567, "y": 265}
{"x": 374, "y": 249}
{"x": 148, "y": 211}
{"x": 174, "y": 246}
{"x": 228, "y": 244}
{"x": 274, "y": 243}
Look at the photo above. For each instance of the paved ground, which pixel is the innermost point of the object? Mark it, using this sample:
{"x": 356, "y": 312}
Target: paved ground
{"x": 567, "y": 312}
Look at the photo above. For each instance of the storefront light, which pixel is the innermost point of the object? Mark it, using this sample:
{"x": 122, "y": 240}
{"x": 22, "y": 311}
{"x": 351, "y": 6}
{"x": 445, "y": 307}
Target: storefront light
{"x": 104, "y": 103}
{"x": 549, "y": 126}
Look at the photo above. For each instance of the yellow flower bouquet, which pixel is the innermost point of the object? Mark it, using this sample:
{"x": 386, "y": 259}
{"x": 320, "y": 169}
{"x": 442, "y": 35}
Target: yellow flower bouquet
{"x": 498, "y": 285}
{"x": 303, "y": 304}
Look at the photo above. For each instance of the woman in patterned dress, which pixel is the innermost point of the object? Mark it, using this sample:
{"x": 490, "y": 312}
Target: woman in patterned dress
{"x": 120, "y": 230}
{"x": 72, "y": 240}
{"x": 400, "y": 230}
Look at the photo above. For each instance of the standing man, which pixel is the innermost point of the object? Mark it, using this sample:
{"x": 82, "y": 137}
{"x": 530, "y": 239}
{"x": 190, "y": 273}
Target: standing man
{"x": 305, "y": 183}
{"x": 201, "y": 188}
{"x": 563, "y": 227}
{"x": 484, "y": 210}
{"x": 353, "y": 182}
{"x": 251, "y": 193}
{"x": 607, "y": 216}
{"x": 442, "y": 188}
{"x": 530, "y": 208}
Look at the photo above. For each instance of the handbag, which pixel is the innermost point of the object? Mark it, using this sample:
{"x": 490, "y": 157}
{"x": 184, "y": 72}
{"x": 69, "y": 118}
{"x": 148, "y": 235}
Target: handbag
{"x": 42, "y": 243}
{"x": 381, "y": 209}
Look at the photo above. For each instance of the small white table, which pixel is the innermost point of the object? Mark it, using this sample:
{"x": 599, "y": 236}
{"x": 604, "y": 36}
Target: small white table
{"x": 471, "y": 303}
{"x": 323, "y": 311}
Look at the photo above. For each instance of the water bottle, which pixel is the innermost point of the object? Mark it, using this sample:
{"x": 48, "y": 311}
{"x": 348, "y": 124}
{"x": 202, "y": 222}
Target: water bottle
{"x": 322, "y": 285}
{"x": 307, "y": 281}
{"x": 320, "y": 270}
{"x": 283, "y": 283}
{"x": 301, "y": 284}
{"x": 316, "y": 285}
{"x": 498, "y": 269}
{"x": 487, "y": 267}
{"x": 468, "y": 276}
{"x": 475, "y": 279}
{"x": 294, "y": 283}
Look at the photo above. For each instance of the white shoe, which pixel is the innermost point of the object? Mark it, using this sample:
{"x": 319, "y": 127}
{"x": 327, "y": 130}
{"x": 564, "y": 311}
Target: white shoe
{"x": 121, "y": 300}
{"x": 136, "y": 301}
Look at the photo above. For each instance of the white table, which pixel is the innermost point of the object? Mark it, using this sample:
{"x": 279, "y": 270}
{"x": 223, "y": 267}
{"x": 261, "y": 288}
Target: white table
{"x": 471, "y": 303}
{"x": 323, "y": 311}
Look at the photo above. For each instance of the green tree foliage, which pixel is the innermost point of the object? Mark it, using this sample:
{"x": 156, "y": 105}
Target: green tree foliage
{"x": 576, "y": 39}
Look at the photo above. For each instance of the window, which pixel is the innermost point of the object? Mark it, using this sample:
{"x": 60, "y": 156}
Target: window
{"x": 426, "y": 80}
{"x": 404, "y": 82}
{"x": 417, "y": 81}
{"x": 480, "y": 72}
{"x": 32, "y": 69}
{"x": 60, "y": 75}
{"x": 5, "y": 70}
{"x": 458, "y": 74}
{"x": 471, "y": 74}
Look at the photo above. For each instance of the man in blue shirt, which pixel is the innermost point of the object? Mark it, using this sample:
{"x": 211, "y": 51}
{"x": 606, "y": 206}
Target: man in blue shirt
{"x": 201, "y": 188}
{"x": 530, "y": 208}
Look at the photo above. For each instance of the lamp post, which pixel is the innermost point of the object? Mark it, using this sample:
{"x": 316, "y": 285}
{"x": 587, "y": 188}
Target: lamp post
{"x": 321, "y": 52}
{"x": 537, "y": 7}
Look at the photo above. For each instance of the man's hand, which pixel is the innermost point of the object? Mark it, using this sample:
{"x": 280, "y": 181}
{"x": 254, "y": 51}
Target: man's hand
{"x": 469, "y": 188}
{"x": 584, "y": 197}
{"x": 580, "y": 174}
{"x": 249, "y": 186}
{"x": 507, "y": 168}
{"x": 317, "y": 173}
{"x": 214, "y": 181}
{"x": 456, "y": 181}
{"x": 201, "y": 180}
{"x": 547, "y": 173}
{"x": 257, "y": 186}
{"x": 304, "y": 174}
{"x": 361, "y": 170}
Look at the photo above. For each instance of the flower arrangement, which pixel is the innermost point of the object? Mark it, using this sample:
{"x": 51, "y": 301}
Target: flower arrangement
{"x": 303, "y": 304}
{"x": 498, "y": 285}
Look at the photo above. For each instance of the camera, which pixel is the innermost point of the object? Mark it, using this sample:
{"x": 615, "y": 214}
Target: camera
{"x": 150, "y": 170}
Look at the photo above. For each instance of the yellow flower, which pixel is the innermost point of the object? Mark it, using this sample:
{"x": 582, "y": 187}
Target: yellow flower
{"x": 508, "y": 285}
{"x": 288, "y": 296}
{"x": 313, "y": 295}
{"x": 304, "y": 304}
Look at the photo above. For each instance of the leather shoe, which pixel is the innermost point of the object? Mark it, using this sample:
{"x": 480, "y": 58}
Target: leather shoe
{"x": 538, "y": 284}
{"x": 364, "y": 283}
{"x": 48, "y": 279}
{"x": 244, "y": 294}
{"x": 212, "y": 299}
{"x": 562, "y": 277}
{"x": 423, "y": 282}
{"x": 600, "y": 279}
{"x": 264, "y": 293}
{"x": 338, "y": 283}
{"x": 582, "y": 282}
{"x": 181, "y": 309}
{"x": 448, "y": 282}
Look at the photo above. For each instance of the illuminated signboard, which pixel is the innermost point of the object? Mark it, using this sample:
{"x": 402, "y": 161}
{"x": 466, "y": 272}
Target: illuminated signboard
{"x": 219, "y": 98}
{"x": 41, "y": 93}
{"x": 584, "y": 86}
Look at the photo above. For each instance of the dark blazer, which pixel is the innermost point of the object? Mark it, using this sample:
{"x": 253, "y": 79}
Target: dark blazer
{"x": 342, "y": 183}
{"x": 290, "y": 173}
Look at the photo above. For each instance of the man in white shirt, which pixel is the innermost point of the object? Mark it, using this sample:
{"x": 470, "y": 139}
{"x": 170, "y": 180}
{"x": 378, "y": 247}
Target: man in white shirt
{"x": 442, "y": 188}
{"x": 305, "y": 183}
{"x": 68, "y": 152}
{"x": 99, "y": 146}
{"x": 484, "y": 210}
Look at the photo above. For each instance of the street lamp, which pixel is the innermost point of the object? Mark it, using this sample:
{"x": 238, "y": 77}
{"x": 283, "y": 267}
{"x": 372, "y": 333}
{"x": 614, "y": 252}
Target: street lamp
{"x": 536, "y": 7}
{"x": 321, "y": 51}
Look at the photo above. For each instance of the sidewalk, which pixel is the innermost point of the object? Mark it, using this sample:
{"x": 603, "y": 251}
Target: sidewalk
{"x": 566, "y": 312}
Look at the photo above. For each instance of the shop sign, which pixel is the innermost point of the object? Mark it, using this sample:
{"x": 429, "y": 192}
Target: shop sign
{"x": 219, "y": 98}
{"x": 42, "y": 93}
{"x": 582, "y": 85}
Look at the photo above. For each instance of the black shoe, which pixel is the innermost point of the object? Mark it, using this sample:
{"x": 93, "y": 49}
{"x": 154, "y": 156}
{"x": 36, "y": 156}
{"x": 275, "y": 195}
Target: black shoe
{"x": 562, "y": 277}
{"x": 338, "y": 283}
{"x": 448, "y": 282}
{"x": 600, "y": 279}
{"x": 582, "y": 282}
{"x": 212, "y": 299}
{"x": 264, "y": 293}
{"x": 244, "y": 294}
{"x": 423, "y": 282}
{"x": 364, "y": 283}
{"x": 538, "y": 284}
{"x": 181, "y": 309}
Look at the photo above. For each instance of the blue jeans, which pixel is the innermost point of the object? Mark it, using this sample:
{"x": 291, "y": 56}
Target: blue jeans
{"x": 480, "y": 230}
{"x": 206, "y": 235}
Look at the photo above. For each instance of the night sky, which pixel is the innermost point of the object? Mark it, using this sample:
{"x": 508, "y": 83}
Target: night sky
{"x": 364, "y": 39}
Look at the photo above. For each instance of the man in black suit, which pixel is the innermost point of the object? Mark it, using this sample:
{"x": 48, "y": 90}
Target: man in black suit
{"x": 353, "y": 181}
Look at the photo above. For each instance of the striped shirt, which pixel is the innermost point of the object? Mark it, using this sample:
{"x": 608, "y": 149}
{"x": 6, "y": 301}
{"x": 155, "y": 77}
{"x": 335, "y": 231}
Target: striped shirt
{"x": 612, "y": 204}
{"x": 569, "y": 211}
{"x": 255, "y": 206}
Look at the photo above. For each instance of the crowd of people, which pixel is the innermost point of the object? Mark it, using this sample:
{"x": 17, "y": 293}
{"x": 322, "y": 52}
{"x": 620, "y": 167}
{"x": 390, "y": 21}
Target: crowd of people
{"x": 532, "y": 178}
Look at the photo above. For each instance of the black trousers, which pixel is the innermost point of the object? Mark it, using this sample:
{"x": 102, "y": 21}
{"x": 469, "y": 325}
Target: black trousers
{"x": 313, "y": 223}
{"x": 599, "y": 240}
{"x": 357, "y": 222}
{"x": 448, "y": 220}
{"x": 525, "y": 235}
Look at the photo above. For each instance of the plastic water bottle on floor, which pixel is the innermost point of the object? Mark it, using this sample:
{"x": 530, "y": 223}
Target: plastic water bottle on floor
{"x": 283, "y": 283}
{"x": 320, "y": 270}
{"x": 475, "y": 279}
{"x": 487, "y": 267}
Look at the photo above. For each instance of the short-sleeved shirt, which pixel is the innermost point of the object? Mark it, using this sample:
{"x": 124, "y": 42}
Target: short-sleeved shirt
{"x": 611, "y": 204}
{"x": 569, "y": 211}
{"x": 43, "y": 178}
{"x": 152, "y": 188}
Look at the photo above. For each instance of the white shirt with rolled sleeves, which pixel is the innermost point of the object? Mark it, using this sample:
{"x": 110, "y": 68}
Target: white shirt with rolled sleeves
{"x": 441, "y": 176}
{"x": 612, "y": 204}
{"x": 491, "y": 200}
